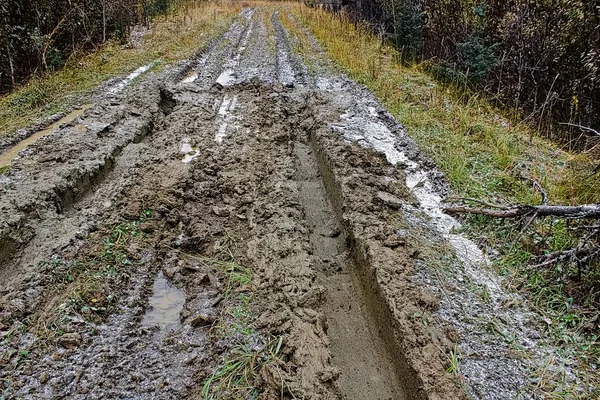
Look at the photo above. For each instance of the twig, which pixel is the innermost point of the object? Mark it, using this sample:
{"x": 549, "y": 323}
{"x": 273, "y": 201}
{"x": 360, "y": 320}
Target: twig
{"x": 542, "y": 191}
{"x": 572, "y": 212}
{"x": 583, "y": 128}
{"x": 559, "y": 256}
{"x": 499, "y": 207}
{"x": 525, "y": 227}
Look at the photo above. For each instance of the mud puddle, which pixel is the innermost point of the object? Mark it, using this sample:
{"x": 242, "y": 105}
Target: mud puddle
{"x": 11, "y": 154}
{"x": 165, "y": 305}
{"x": 119, "y": 86}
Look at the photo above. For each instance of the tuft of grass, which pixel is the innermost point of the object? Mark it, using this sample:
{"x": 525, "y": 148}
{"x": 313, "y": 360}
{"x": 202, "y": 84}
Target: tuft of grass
{"x": 454, "y": 362}
{"x": 177, "y": 36}
{"x": 239, "y": 371}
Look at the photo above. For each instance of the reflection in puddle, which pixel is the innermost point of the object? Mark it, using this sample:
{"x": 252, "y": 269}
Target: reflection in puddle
{"x": 6, "y": 158}
{"x": 126, "y": 81}
{"x": 225, "y": 117}
{"x": 165, "y": 305}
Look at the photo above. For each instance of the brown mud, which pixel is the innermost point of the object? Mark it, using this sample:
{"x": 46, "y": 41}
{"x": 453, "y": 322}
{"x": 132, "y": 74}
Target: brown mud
{"x": 209, "y": 210}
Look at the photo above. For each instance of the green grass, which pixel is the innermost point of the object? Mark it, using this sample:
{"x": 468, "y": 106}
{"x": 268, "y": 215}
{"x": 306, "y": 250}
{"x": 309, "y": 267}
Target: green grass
{"x": 237, "y": 374}
{"x": 487, "y": 156}
{"x": 175, "y": 37}
{"x": 91, "y": 279}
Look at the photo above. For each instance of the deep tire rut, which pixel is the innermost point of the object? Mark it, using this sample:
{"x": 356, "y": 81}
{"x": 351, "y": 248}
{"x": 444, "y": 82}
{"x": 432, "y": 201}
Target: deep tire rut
{"x": 366, "y": 372}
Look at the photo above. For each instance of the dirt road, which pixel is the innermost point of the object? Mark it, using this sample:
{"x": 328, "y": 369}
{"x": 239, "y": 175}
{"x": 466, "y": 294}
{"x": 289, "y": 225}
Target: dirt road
{"x": 232, "y": 227}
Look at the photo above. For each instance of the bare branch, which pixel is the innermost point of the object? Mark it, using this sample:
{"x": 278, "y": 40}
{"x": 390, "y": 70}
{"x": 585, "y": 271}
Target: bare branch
{"x": 575, "y": 212}
{"x": 583, "y": 128}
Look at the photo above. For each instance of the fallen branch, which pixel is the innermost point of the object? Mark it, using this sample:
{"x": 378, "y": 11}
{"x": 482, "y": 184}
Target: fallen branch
{"x": 573, "y": 212}
{"x": 583, "y": 128}
{"x": 581, "y": 255}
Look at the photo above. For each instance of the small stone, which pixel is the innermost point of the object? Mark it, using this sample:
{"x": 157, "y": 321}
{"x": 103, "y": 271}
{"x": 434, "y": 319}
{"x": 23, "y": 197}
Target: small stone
{"x": 70, "y": 340}
{"x": 220, "y": 211}
{"x": 389, "y": 200}
{"x": 202, "y": 320}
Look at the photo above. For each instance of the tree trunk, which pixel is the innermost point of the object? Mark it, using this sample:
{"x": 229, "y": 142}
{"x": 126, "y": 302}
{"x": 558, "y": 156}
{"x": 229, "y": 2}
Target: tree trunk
{"x": 10, "y": 63}
{"x": 104, "y": 21}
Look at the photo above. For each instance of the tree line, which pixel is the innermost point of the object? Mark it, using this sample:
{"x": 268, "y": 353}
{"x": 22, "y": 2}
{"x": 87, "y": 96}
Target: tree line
{"x": 40, "y": 35}
{"x": 539, "y": 57}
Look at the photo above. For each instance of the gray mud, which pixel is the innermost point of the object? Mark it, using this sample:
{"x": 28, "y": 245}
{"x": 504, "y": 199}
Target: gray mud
{"x": 236, "y": 158}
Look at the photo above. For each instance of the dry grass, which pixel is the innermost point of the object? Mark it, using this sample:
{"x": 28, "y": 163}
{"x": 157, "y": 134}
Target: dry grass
{"x": 172, "y": 38}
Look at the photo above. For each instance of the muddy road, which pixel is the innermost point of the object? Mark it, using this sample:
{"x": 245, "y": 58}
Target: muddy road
{"x": 232, "y": 227}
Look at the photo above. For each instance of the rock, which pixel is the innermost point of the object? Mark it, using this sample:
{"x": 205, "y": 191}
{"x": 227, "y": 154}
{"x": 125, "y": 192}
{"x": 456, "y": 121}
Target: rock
{"x": 389, "y": 200}
{"x": 202, "y": 320}
{"x": 44, "y": 378}
{"x": 220, "y": 211}
{"x": 70, "y": 340}
{"x": 393, "y": 241}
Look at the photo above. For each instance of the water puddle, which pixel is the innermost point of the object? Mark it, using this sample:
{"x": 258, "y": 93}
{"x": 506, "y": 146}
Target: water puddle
{"x": 11, "y": 154}
{"x": 190, "y": 152}
{"x": 165, "y": 305}
{"x": 127, "y": 80}
{"x": 227, "y": 77}
{"x": 225, "y": 117}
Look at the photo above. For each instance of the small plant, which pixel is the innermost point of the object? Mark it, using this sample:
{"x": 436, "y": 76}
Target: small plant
{"x": 454, "y": 362}
{"x": 237, "y": 375}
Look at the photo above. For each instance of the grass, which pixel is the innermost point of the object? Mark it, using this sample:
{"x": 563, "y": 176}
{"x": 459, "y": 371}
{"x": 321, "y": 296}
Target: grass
{"x": 237, "y": 374}
{"x": 488, "y": 156}
{"x": 172, "y": 38}
{"x": 90, "y": 279}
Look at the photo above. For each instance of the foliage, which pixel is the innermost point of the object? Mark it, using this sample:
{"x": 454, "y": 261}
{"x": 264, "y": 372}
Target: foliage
{"x": 541, "y": 57}
{"x": 41, "y": 35}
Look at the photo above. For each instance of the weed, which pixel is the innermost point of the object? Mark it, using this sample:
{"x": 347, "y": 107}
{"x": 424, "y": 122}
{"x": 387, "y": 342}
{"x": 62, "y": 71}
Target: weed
{"x": 236, "y": 376}
{"x": 454, "y": 362}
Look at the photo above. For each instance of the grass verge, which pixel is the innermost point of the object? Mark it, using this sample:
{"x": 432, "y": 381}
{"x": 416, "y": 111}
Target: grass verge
{"x": 171, "y": 38}
{"x": 486, "y": 156}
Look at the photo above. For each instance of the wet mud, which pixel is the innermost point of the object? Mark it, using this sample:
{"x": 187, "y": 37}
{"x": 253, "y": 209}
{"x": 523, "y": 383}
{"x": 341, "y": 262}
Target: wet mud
{"x": 230, "y": 202}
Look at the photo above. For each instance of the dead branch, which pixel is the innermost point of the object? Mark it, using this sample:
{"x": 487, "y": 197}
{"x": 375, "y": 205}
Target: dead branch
{"x": 581, "y": 255}
{"x": 583, "y": 128}
{"x": 500, "y": 207}
{"x": 572, "y": 212}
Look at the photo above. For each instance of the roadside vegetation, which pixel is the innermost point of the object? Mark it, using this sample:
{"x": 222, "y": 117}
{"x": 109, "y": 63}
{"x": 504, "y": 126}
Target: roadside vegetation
{"x": 492, "y": 156}
{"x": 175, "y": 36}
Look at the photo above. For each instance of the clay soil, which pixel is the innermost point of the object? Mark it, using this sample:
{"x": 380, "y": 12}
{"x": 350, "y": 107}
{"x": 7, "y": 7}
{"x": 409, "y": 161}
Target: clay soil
{"x": 208, "y": 213}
